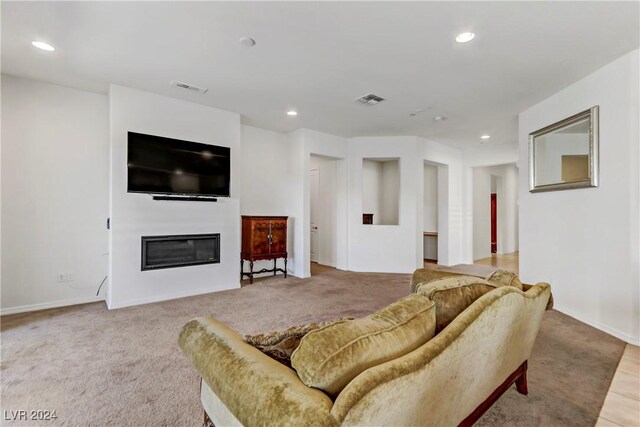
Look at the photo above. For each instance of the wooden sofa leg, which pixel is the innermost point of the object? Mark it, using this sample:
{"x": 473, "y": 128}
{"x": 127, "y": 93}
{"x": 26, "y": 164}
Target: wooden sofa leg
{"x": 519, "y": 376}
{"x": 521, "y": 382}
{"x": 207, "y": 420}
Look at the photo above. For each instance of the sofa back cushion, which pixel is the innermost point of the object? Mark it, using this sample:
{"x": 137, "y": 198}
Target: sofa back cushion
{"x": 329, "y": 358}
{"x": 425, "y": 275}
{"x": 452, "y": 295}
{"x": 505, "y": 278}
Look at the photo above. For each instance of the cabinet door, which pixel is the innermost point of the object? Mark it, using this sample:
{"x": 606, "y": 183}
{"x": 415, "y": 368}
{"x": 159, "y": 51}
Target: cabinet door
{"x": 260, "y": 237}
{"x": 278, "y": 236}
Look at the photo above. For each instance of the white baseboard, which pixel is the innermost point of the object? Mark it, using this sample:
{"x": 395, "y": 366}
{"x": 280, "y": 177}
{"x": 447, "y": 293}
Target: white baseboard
{"x": 166, "y": 297}
{"x": 604, "y": 328}
{"x": 46, "y": 305}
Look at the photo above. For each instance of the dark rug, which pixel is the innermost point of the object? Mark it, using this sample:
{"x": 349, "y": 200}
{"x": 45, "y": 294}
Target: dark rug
{"x": 124, "y": 368}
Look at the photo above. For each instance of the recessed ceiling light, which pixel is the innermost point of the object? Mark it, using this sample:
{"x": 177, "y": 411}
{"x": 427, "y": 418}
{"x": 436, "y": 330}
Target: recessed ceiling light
{"x": 292, "y": 113}
{"x": 43, "y": 46}
{"x": 247, "y": 41}
{"x": 485, "y": 137}
{"x": 465, "y": 37}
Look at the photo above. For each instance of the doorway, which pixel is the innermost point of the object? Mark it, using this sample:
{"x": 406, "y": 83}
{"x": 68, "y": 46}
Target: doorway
{"x": 494, "y": 223}
{"x": 323, "y": 189}
{"x": 430, "y": 214}
{"x": 495, "y": 210}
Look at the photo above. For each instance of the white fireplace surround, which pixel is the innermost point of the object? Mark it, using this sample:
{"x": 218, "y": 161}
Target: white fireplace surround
{"x": 136, "y": 215}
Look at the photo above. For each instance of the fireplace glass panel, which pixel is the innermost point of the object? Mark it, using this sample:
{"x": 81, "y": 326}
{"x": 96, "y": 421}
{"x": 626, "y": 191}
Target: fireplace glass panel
{"x": 179, "y": 251}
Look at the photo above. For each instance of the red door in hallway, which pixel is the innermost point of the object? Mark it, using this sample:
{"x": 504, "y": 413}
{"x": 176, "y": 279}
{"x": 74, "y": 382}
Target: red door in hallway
{"x": 494, "y": 223}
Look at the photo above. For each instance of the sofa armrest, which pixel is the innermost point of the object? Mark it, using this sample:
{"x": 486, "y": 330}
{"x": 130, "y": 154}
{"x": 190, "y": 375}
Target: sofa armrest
{"x": 549, "y": 306}
{"x": 255, "y": 388}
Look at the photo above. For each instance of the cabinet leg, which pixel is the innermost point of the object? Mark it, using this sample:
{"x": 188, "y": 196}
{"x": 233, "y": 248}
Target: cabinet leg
{"x": 241, "y": 268}
{"x": 285, "y": 267}
{"x": 251, "y": 273}
{"x": 274, "y": 266}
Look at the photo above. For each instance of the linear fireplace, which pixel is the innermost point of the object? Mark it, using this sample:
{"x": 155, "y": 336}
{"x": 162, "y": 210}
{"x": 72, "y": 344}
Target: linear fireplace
{"x": 179, "y": 250}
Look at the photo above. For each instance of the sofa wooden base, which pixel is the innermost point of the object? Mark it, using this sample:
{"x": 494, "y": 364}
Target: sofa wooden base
{"x": 519, "y": 377}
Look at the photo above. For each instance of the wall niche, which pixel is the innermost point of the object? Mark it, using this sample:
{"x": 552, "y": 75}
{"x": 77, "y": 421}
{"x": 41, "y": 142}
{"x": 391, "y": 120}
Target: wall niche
{"x": 380, "y": 191}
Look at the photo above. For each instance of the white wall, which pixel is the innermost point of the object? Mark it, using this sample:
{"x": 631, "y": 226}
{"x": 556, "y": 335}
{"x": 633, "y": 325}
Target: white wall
{"x": 278, "y": 162}
{"x": 264, "y": 159}
{"x": 381, "y": 190}
{"x": 508, "y": 208}
{"x": 136, "y": 215}
{"x": 266, "y": 180}
{"x": 383, "y": 248}
{"x": 386, "y": 247}
{"x": 371, "y": 185}
{"x": 349, "y": 253}
{"x": 390, "y": 192}
{"x": 481, "y": 213}
{"x": 303, "y": 143}
{"x": 585, "y": 242}
{"x": 54, "y": 191}
{"x": 506, "y": 178}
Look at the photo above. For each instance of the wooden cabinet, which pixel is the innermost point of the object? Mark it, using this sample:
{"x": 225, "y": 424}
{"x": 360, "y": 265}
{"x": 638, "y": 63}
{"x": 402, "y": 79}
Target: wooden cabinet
{"x": 263, "y": 238}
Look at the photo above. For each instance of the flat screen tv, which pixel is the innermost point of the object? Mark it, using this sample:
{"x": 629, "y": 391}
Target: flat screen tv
{"x": 158, "y": 165}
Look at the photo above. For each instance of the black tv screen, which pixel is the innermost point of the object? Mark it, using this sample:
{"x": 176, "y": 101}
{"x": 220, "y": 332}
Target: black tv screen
{"x": 161, "y": 165}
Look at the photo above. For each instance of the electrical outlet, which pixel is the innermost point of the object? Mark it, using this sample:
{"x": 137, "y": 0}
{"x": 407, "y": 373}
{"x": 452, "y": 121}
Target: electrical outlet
{"x": 65, "y": 277}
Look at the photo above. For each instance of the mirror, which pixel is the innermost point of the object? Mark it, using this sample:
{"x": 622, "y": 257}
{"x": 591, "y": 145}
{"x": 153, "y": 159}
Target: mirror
{"x": 380, "y": 191}
{"x": 564, "y": 155}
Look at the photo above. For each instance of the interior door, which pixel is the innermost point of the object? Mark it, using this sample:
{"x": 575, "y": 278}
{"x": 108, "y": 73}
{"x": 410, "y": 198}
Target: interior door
{"x": 314, "y": 190}
{"x": 494, "y": 223}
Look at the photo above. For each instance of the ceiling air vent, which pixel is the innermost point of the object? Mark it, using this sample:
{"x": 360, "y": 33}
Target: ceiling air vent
{"x": 369, "y": 99}
{"x": 188, "y": 87}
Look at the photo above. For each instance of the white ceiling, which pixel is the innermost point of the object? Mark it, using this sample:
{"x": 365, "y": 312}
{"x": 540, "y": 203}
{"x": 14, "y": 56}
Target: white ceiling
{"x": 317, "y": 57}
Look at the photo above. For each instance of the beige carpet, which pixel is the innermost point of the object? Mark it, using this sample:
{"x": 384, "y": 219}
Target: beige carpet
{"x": 123, "y": 368}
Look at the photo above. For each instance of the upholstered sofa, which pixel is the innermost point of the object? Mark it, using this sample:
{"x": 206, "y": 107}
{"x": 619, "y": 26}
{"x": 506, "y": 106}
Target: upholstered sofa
{"x": 476, "y": 338}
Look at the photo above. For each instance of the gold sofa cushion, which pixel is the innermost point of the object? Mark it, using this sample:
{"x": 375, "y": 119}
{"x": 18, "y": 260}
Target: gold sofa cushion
{"x": 505, "y": 278}
{"x": 452, "y": 295}
{"x": 425, "y": 275}
{"x": 328, "y": 358}
{"x": 279, "y": 345}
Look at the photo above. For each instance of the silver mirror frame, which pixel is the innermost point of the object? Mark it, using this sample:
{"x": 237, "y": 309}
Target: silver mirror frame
{"x": 593, "y": 180}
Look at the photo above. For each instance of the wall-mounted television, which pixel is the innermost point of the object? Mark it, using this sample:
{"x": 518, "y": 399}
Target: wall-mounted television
{"x": 158, "y": 165}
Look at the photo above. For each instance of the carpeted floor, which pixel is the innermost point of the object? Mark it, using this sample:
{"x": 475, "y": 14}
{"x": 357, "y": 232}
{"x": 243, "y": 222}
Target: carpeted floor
{"x": 123, "y": 367}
